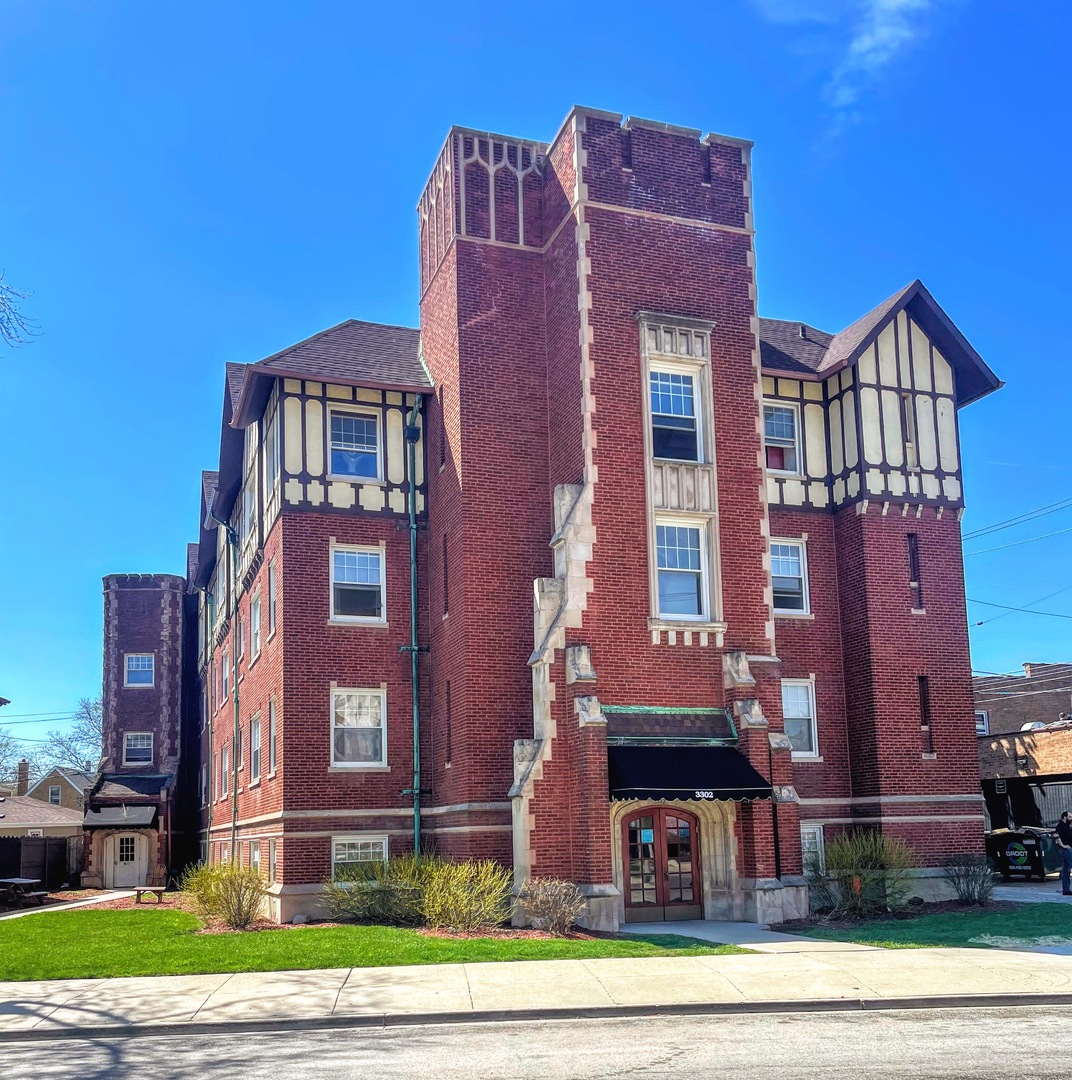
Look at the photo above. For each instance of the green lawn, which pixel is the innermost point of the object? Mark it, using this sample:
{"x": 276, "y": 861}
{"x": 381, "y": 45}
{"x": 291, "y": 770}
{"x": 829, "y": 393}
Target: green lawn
{"x": 94, "y": 944}
{"x": 1027, "y": 924}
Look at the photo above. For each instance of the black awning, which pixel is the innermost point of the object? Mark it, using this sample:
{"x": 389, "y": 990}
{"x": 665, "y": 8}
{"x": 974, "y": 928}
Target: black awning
{"x": 116, "y": 817}
{"x": 704, "y": 773}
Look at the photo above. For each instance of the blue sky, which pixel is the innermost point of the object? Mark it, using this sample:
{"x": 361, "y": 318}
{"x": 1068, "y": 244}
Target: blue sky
{"x": 183, "y": 185}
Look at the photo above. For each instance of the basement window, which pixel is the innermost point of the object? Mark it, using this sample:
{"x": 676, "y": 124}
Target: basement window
{"x": 350, "y": 855}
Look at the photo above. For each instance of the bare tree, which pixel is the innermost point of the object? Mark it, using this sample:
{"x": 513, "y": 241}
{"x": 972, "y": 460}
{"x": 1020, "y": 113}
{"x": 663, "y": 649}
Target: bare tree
{"x": 82, "y": 744}
{"x": 12, "y": 752}
{"x": 15, "y": 327}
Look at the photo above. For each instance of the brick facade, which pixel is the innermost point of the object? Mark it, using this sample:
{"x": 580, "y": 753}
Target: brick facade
{"x": 552, "y": 278}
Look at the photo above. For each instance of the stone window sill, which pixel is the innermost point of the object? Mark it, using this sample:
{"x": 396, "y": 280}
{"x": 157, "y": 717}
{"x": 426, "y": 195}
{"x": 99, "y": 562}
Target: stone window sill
{"x": 919, "y": 611}
{"x": 807, "y": 759}
{"x": 800, "y": 616}
{"x": 358, "y": 770}
{"x": 929, "y": 757}
{"x": 370, "y": 625}
{"x": 696, "y": 626}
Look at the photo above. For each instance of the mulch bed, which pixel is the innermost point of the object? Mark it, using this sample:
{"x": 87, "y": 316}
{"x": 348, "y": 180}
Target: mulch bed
{"x": 915, "y": 911}
{"x": 60, "y": 896}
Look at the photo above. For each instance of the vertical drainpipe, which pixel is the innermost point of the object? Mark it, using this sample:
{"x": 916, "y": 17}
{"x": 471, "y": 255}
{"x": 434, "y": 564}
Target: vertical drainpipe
{"x": 412, "y": 435}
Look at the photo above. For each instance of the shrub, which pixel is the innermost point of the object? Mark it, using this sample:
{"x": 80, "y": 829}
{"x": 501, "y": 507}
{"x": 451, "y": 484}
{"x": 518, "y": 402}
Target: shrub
{"x": 467, "y": 896}
{"x": 390, "y": 892}
{"x": 971, "y": 877}
{"x": 866, "y": 872}
{"x": 552, "y": 905}
{"x": 225, "y": 891}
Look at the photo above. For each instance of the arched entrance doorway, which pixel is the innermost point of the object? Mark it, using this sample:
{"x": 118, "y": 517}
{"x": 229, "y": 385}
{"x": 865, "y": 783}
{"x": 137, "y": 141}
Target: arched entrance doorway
{"x": 661, "y": 852}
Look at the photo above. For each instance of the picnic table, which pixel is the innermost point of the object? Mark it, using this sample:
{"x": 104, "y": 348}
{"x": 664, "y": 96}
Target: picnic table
{"x": 20, "y": 890}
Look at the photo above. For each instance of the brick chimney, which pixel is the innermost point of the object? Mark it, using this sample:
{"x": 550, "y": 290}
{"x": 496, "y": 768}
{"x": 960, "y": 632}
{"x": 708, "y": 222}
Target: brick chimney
{"x": 22, "y": 785}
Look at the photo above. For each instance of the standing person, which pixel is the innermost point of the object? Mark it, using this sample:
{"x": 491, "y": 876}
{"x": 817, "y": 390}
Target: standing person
{"x": 1064, "y": 842}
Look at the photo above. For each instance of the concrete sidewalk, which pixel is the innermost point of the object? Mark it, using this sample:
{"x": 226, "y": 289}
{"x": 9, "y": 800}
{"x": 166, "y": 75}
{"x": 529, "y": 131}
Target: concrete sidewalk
{"x": 778, "y": 981}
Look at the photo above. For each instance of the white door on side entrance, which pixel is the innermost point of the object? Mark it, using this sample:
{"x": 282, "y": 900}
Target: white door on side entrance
{"x": 128, "y": 861}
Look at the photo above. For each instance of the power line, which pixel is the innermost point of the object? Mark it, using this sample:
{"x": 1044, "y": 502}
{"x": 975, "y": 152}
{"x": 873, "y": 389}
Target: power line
{"x": 54, "y": 712}
{"x": 15, "y": 723}
{"x": 1023, "y": 693}
{"x": 1026, "y": 611}
{"x": 1006, "y": 614}
{"x": 1029, "y": 515}
{"x": 1017, "y": 543}
{"x": 1001, "y": 683}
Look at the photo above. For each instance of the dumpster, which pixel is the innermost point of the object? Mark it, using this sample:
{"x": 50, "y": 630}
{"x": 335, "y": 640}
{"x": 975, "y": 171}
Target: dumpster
{"x": 1019, "y": 851}
{"x": 1051, "y": 853}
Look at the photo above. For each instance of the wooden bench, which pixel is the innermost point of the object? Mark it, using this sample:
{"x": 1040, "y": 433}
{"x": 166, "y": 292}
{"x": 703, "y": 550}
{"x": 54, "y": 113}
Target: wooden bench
{"x": 156, "y": 890}
{"x": 25, "y": 897}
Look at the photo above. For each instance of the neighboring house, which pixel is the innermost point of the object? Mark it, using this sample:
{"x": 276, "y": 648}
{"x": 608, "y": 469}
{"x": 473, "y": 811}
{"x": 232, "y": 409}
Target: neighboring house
{"x": 62, "y": 787}
{"x": 688, "y": 583}
{"x": 136, "y": 832}
{"x": 1027, "y": 776}
{"x": 23, "y": 816}
{"x": 1042, "y": 695}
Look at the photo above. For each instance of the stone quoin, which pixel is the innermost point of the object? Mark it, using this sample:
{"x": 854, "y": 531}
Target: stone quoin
{"x": 688, "y": 584}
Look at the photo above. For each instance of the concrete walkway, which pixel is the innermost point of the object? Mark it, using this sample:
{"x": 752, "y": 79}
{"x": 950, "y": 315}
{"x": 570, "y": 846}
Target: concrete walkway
{"x": 1033, "y": 892}
{"x": 808, "y": 980}
{"x": 38, "y": 908}
{"x": 755, "y": 936}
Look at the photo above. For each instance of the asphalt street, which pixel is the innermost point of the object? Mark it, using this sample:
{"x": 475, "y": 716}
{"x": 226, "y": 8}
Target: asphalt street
{"x": 975, "y": 1043}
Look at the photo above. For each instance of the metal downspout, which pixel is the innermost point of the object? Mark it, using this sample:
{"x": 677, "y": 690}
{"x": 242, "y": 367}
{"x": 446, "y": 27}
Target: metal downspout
{"x": 412, "y": 435}
{"x": 232, "y": 548}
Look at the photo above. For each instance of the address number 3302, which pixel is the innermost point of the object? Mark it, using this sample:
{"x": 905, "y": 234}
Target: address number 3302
{"x": 703, "y": 795}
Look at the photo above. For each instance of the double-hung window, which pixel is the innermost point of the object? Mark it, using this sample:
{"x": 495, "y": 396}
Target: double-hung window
{"x": 355, "y": 444}
{"x": 271, "y": 735}
{"x": 812, "y": 847}
{"x": 255, "y": 855}
{"x": 225, "y": 771}
{"x": 358, "y": 728}
{"x": 348, "y": 853}
{"x": 789, "y": 577}
{"x": 139, "y": 670}
{"x": 982, "y": 722}
{"x": 675, "y": 427}
{"x": 271, "y": 598}
{"x": 54, "y": 794}
{"x": 357, "y": 584}
{"x": 781, "y": 437}
{"x": 798, "y": 715}
{"x": 255, "y": 627}
{"x": 255, "y": 748}
{"x": 138, "y": 748}
{"x": 225, "y": 668}
{"x": 682, "y": 570}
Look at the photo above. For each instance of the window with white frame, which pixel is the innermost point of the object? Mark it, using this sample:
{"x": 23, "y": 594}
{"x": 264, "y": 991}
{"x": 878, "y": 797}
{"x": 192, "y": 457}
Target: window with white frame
{"x": 357, "y": 584}
{"x": 271, "y": 598}
{"x": 225, "y": 669}
{"x": 225, "y": 771}
{"x": 255, "y": 855}
{"x": 349, "y": 852}
{"x": 789, "y": 577}
{"x": 681, "y": 556}
{"x": 798, "y": 715}
{"x": 138, "y": 748}
{"x": 54, "y": 794}
{"x": 139, "y": 670}
{"x": 675, "y": 423}
{"x": 255, "y": 748}
{"x": 271, "y": 736}
{"x": 358, "y": 728}
{"x": 248, "y": 516}
{"x": 813, "y": 848}
{"x": 781, "y": 437}
{"x": 255, "y": 627}
{"x": 273, "y": 860}
{"x": 982, "y": 722}
{"x": 271, "y": 455}
{"x": 355, "y": 444}
{"x": 204, "y": 785}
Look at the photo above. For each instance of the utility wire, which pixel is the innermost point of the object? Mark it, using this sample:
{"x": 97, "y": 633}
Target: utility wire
{"x": 1001, "y": 683}
{"x": 15, "y": 723}
{"x": 1006, "y": 614}
{"x": 1017, "y": 543}
{"x": 1022, "y": 693}
{"x": 1027, "y": 611}
{"x": 1030, "y": 515}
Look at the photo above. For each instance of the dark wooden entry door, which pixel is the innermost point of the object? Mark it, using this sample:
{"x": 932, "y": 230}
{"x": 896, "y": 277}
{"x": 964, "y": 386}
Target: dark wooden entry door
{"x": 661, "y": 851}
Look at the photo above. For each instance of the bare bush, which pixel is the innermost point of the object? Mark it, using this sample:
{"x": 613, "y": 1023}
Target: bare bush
{"x": 971, "y": 877}
{"x": 553, "y": 905}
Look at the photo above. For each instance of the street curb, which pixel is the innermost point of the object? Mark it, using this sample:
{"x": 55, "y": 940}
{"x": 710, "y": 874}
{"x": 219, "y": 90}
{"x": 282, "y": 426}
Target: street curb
{"x": 491, "y": 1016}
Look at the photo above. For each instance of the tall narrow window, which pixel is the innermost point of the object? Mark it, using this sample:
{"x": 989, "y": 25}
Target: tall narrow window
{"x": 273, "y": 860}
{"x": 446, "y": 578}
{"x": 255, "y": 627}
{"x": 798, "y": 716}
{"x": 925, "y": 727}
{"x": 255, "y": 748}
{"x": 442, "y": 426}
{"x": 255, "y": 855}
{"x": 357, "y": 584}
{"x": 225, "y": 668}
{"x": 789, "y": 577}
{"x": 914, "y": 581}
{"x": 675, "y": 432}
{"x": 449, "y": 726}
{"x": 781, "y": 438}
{"x": 681, "y": 571}
{"x": 908, "y": 427}
{"x": 225, "y": 771}
{"x": 271, "y": 736}
{"x": 271, "y": 598}
{"x": 271, "y": 455}
{"x": 355, "y": 443}
{"x": 55, "y": 795}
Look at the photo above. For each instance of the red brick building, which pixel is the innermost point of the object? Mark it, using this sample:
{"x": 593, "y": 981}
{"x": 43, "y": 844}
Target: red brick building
{"x": 669, "y": 591}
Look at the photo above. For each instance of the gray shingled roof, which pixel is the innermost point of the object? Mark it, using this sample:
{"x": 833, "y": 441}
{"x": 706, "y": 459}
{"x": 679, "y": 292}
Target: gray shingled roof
{"x": 783, "y": 347}
{"x": 22, "y": 810}
{"x": 236, "y": 374}
{"x": 120, "y": 786}
{"x": 356, "y": 352}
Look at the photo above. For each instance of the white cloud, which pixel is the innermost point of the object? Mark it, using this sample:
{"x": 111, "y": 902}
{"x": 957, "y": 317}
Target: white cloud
{"x": 870, "y": 33}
